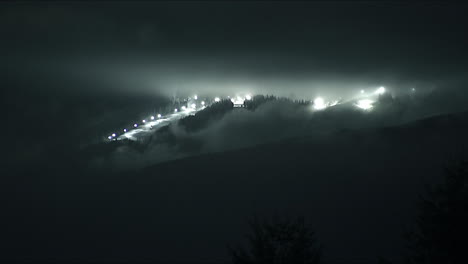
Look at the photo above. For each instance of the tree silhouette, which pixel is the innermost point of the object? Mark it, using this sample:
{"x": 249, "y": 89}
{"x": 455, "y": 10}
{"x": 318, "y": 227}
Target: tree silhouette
{"x": 278, "y": 242}
{"x": 441, "y": 233}
{"x": 211, "y": 113}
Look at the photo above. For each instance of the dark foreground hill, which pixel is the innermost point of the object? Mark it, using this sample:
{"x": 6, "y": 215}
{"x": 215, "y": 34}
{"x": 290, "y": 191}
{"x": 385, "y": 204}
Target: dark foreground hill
{"x": 358, "y": 189}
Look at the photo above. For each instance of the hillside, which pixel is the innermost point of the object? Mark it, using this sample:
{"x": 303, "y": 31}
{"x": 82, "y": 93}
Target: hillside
{"x": 187, "y": 210}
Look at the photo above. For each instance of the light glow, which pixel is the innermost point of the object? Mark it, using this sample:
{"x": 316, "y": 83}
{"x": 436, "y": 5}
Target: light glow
{"x": 113, "y": 134}
{"x": 159, "y": 115}
{"x": 238, "y": 101}
{"x": 144, "y": 121}
{"x": 319, "y": 103}
{"x": 203, "y": 102}
{"x": 217, "y": 99}
{"x": 152, "y": 117}
{"x": 135, "y": 125}
{"x": 195, "y": 97}
{"x": 248, "y": 97}
{"x": 175, "y": 110}
{"x": 381, "y": 90}
{"x": 365, "y": 104}
{"x": 193, "y": 105}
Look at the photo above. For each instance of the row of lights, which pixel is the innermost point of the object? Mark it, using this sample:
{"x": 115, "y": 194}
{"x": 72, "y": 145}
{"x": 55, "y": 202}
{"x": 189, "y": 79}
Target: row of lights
{"x": 193, "y": 106}
{"x": 114, "y": 135}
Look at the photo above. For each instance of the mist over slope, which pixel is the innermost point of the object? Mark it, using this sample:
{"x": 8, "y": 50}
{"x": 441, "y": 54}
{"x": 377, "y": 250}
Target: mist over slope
{"x": 267, "y": 119}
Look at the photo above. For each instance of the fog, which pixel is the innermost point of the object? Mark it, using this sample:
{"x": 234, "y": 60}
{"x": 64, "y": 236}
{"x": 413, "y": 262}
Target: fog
{"x": 277, "y": 120}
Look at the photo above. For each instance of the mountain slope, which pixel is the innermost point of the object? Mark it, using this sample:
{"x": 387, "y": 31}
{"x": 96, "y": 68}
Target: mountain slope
{"x": 358, "y": 188}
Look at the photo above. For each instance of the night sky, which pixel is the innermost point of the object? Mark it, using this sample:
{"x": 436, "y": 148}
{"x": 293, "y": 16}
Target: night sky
{"x": 74, "y": 73}
{"x": 249, "y": 45}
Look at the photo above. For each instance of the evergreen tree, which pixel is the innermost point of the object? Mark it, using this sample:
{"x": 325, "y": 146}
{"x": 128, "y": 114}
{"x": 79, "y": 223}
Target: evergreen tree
{"x": 441, "y": 232}
{"x": 279, "y": 242}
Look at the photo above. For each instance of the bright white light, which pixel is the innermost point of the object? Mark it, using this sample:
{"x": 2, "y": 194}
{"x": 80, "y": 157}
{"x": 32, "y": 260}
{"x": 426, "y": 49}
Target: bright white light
{"x": 381, "y": 90}
{"x": 362, "y": 91}
{"x": 175, "y": 110}
{"x": 195, "y": 97}
{"x": 217, "y": 99}
{"x": 319, "y": 103}
{"x": 248, "y": 97}
{"x": 193, "y": 105}
{"x": 334, "y": 103}
{"x": 152, "y": 117}
{"x": 135, "y": 125}
{"x": 238, "y": 101}
{"x": 203, "y": 102}
{"x": 183, "y": 107}
{"x": 144, "y": 121}
{"x": 125, "y": 130}
{"x": 159, "y": 115}
{"x": 365, "y": 104}
{"x": 109, "y": 137}
{"x": 412, "y": 89}
{"x": 113, "y": 134}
